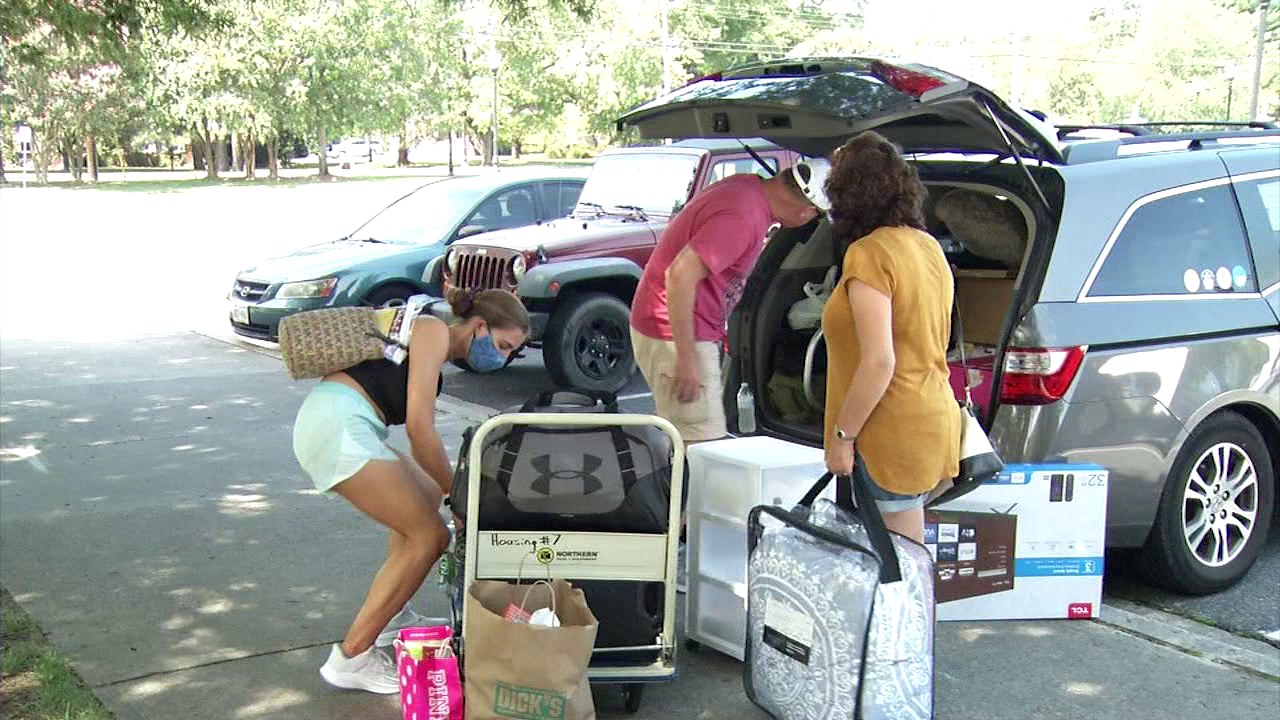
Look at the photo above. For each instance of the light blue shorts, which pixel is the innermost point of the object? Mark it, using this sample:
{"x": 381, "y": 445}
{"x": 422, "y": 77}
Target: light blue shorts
{"x": 336, "y": 433}
{"x": 892, "y": 502}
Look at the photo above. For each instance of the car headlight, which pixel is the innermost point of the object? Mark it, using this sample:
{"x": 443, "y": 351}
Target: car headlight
{"x": 308, "y": 288}
{"x": 518, "y": 267}
{"x": 452, "y": 260}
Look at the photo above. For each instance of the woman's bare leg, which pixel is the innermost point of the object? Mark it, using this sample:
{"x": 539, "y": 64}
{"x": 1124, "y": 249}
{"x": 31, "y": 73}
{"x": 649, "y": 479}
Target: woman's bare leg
{"x": 908, "y": 522}
{"x": 386, "y": 491}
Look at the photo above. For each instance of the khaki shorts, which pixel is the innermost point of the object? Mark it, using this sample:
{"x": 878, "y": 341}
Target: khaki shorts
{"x": 702, "y": 419}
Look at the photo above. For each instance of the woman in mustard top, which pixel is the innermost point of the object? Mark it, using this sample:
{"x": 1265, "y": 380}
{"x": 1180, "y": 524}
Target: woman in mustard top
{"x": 887, "y": 327}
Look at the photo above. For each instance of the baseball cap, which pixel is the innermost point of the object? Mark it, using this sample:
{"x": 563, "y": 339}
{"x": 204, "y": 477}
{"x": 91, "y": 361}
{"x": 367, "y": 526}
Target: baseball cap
{"x": 811, "y": 175}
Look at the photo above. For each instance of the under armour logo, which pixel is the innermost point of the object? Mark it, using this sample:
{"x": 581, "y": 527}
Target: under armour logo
{"x": 590, "y": 483}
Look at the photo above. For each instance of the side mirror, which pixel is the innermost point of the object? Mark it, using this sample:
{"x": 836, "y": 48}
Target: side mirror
{"x": 468, "y": 230}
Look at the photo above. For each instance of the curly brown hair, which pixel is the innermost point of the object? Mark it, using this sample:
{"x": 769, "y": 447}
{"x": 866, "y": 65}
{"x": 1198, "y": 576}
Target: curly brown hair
{"x": 872, "y": 186}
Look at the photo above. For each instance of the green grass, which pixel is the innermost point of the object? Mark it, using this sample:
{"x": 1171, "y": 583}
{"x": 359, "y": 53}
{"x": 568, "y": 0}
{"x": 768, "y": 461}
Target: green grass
{"x": 163, "y": 180}
{"x": 38, "y": 682}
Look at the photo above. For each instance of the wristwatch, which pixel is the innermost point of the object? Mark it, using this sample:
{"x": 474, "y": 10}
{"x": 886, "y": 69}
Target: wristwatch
{"x": 842, "y": 435}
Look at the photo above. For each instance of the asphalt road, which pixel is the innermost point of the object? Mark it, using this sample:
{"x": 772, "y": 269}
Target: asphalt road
{"x": 525, "y": 378}
{"x": 92, "y": 264}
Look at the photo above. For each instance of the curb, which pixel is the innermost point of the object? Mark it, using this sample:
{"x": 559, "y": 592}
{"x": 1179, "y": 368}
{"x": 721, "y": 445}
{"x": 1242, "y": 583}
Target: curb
{"x": 1251, "y": 656}
{"x": 230, "y": 338}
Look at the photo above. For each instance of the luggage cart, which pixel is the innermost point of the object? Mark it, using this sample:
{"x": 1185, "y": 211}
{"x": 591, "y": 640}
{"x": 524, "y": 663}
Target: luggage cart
{"x": 609, "y": 565}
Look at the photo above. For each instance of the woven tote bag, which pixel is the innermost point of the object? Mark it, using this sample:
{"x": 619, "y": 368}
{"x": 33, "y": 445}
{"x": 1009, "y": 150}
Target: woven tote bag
{"x": 318, "y": 342}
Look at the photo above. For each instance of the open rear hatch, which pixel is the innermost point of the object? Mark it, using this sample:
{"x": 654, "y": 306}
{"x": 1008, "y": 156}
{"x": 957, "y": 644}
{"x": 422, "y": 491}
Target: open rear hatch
{"x": 813, "y": 105}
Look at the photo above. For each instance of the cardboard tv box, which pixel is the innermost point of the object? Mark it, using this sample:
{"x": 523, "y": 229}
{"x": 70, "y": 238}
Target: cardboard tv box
{"x": 1026, "y": 545}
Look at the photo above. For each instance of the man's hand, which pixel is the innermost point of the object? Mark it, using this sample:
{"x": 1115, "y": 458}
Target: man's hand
{"x": 688, "y": 381}
{"x": 840, "y": 457}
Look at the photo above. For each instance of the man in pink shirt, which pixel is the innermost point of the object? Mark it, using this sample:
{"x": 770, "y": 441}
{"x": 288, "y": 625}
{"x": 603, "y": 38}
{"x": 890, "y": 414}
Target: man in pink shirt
{"x": 694, "y": 279}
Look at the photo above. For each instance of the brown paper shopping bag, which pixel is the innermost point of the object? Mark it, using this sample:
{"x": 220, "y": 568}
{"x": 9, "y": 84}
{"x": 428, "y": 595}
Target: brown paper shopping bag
{"x": 529, "y": 672}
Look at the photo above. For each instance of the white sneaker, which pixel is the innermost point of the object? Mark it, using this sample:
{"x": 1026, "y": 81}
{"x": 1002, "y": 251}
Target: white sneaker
{"x": 371, "y": 670}
{"x": 403, "y": 619}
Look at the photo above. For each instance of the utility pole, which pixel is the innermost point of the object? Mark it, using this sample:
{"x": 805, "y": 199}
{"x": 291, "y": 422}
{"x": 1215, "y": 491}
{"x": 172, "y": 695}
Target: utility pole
{"x": 666, "y": 60}
{"x": 1263, "y": 6}
{"x": 1015, "y": 82}
{"x": 1230, "y": 71}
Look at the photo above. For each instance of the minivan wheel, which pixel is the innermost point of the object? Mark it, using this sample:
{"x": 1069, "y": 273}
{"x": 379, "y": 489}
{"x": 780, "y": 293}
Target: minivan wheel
{"x": 1216, "y": 509}
{"x": 587, "y": 343}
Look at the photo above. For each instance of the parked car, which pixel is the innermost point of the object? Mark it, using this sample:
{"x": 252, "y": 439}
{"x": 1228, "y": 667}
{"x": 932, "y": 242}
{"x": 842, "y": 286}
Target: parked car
{"x": 384, "y": 258}
{"x": 1130, "y": 317}
{"x": 577, "y": 275}
{"x": 354, "y": 149}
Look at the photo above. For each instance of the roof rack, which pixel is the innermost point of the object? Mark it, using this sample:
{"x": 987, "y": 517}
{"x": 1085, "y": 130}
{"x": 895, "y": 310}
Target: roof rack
{"x": 1096, "y": 150}
{"x": 1147, "y": 128}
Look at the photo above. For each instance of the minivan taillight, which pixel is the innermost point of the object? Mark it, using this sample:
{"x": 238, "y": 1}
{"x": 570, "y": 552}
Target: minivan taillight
{"x": 906, "y": 80}
{"x": 1038, "y": 376}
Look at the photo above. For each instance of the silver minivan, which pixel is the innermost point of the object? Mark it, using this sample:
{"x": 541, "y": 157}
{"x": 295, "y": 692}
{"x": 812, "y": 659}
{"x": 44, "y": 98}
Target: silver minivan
{"x": 1120, "y": 297}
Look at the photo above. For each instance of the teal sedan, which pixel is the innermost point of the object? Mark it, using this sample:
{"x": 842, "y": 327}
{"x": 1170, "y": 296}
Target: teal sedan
{"x": 384, "y": 259}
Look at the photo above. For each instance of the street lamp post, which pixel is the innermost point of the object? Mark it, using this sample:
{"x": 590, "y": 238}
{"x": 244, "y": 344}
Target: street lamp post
{"x": 495, "y": 115}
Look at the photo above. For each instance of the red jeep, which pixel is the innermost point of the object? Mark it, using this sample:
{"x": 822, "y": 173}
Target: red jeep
{"x": 577, "y": 275}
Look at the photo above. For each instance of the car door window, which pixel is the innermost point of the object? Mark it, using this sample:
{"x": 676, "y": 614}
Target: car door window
{"x": 725, "y": 168}
{"x": 507, "y": 209}
{"x": 559, "y": 198}
{"x": 1260, "y": 205}
{"x": 1191, "y": 243}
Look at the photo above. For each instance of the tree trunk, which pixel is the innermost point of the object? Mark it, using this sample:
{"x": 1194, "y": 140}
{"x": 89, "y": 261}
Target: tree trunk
{"x": 250, "y": 154}
{"x": 40, "y": 156}
{"x": 466, "y": 141}
{"x": 323, "y": 151}
{"x": 196, "y": 149}
{"x": 402, "y": 156}
{"x": 210, "y": 162}
{"x": 516, "y": 149}
{"x": 72, "y": 162}
{"x": 273, "y": 157}
{"x": 91, "y": 155}
{"x": 237, "y": 151}
{"x": 220, "y": 154}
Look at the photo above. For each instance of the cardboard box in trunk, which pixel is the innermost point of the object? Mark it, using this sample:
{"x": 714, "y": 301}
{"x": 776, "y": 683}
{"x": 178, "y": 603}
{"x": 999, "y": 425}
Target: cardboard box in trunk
{"x": 1027, "y": 545}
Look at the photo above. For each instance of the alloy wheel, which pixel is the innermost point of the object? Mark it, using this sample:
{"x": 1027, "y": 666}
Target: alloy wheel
{"x": 1220, "y": 504}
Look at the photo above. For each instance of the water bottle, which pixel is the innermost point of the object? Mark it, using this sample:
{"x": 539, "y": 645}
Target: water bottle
{"x": 746, "y": 410}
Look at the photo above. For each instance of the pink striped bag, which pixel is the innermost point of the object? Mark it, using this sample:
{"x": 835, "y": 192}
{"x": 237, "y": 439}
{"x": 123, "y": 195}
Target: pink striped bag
{"x": 430, "y": 685}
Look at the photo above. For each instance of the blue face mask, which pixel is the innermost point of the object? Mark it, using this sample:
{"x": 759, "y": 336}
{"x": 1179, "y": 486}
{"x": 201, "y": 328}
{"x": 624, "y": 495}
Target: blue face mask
{"x": 483, "y": 355}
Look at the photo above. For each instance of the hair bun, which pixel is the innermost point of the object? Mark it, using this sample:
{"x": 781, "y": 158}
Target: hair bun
{"x": 462, "y": 301}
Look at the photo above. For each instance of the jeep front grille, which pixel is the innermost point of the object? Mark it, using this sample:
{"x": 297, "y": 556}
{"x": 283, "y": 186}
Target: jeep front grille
{"x": 482, "y": 272}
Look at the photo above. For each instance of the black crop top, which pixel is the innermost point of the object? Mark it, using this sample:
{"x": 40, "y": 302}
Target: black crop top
{"x": 388, "y": 386}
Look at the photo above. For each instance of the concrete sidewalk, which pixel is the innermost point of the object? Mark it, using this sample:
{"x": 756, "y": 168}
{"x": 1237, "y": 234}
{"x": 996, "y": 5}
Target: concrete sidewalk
{"x": 154, "y": 522}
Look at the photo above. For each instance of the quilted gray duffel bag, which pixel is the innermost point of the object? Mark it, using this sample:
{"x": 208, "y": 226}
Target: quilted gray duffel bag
{"x": 840, "y": 612}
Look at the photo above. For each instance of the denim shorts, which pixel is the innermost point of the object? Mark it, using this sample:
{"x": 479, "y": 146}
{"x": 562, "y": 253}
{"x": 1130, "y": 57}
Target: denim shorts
{"x": 336, "y": 433}
{"x": 889, "y": 502}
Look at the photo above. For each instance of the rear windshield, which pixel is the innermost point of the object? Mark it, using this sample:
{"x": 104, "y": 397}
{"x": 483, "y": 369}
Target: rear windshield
{"x": 657, "y": 182}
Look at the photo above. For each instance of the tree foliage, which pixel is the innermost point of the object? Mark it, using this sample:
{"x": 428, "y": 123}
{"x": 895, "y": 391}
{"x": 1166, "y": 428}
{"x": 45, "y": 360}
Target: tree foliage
{"x": 111, "y": 75}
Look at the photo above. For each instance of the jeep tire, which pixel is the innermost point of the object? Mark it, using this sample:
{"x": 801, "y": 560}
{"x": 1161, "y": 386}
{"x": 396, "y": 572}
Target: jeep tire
{"x": 587, "y": 343}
